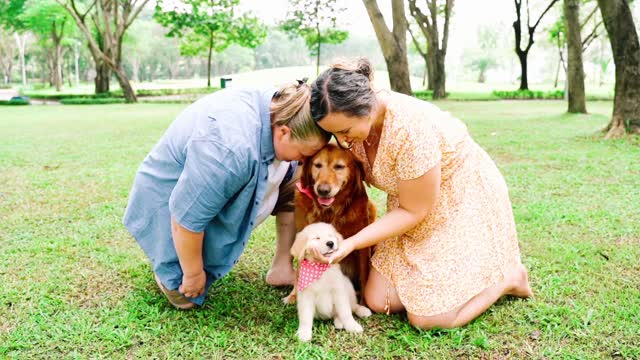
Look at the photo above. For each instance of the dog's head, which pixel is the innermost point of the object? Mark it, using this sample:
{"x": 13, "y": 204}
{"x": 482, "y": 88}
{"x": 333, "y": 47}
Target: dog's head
{"x": 320, "y": 236}
{"x": 333, "y": 173}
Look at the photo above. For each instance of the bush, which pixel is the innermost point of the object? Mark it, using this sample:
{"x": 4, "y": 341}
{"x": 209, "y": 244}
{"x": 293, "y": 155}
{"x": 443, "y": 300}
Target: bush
{"x": 167, "y": 92}
{"x": 67, "y": 96}
{"x": 528, "y": 94}
{"x": 423, "y": 94}
{"x": 92, "y": 101}
{"x": 15, "y": 102}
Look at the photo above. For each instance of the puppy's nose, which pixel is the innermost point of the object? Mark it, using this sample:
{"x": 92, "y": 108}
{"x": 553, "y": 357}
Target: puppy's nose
{"x": 330, "y": 244}
{"x": 324, "y": 190}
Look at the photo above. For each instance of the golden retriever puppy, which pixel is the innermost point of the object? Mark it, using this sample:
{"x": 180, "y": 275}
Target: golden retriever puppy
{"x": 323, "y": 291}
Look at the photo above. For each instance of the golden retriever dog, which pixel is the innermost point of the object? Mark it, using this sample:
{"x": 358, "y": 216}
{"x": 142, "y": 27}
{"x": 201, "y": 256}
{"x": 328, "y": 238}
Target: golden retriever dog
{"x": 332, "y": 190}
{"x": 323, "y": 291}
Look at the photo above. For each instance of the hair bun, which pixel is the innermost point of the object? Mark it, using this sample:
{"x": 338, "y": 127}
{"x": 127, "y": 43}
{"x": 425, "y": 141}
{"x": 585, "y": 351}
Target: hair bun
{"x": 365, "y": 68}
{"x": 360, "y": 66}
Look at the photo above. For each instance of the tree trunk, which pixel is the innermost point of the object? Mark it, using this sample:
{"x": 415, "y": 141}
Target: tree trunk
{"x": 575, "y": 73}
{"x": 481, "y": 77}
{"x": 431, "y": 66}
{"x": 76, "y": 59}
{"x": 439, "y": 81}
{"x": 209, "y": 60}
{"x": 125, "y": 85}
{"x": 319, "y": 45}
{"x": 102, "y": 77}
{"x": 21, "y": 41}
{"x": 393, "y": 44}
{"x": 524, "y": 80}
{"x": 619, "y": 23}
{"x": 135, "y": 68}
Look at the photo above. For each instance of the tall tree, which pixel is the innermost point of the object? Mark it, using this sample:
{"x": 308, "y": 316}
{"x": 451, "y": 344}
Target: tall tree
{"x": 575, "y": 74}
{"x": 622, "y": 32}
{"x": 517, "y": 27}
{"x": 208, "y": 26}
{"x": 436, "y": 50}
{"x": 111, "y": 19}
{"x": 52, "y": 24}
{"x": 316, "y": 22}
{"x": 393, "y": 43}
{"x": 7, "y": 55}
{"x": 10, "y": 19}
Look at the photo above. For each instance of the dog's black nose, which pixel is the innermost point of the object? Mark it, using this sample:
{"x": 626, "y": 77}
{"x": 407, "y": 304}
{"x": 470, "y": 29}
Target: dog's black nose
{"x": 324, "y": 190}
{"x": 330, "y": 244}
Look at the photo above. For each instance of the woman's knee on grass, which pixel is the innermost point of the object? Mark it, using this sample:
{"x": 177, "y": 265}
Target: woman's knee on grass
{"x": 375, "y": 299}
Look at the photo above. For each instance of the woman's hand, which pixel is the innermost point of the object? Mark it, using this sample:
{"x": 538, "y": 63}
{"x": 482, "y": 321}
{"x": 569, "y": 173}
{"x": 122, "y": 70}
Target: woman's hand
{"x": 193, "y": 285}
{"x": 346, "y": 247}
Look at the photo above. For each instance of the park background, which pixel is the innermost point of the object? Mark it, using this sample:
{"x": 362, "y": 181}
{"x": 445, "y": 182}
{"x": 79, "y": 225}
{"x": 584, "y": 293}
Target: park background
{"x": 83, "y": 100}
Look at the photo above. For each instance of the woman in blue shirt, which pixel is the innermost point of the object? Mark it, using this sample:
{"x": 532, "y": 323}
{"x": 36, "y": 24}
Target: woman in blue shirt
{"x": 220, "y": 168}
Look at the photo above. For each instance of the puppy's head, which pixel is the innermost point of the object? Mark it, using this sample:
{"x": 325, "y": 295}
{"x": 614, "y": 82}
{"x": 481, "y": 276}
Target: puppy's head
{"x": 330, "y": 172}
{"x": 320, "y": 236}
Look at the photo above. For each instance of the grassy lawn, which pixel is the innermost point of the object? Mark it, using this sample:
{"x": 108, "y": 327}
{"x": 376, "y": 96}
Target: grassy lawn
{"x": 73, "y": 283}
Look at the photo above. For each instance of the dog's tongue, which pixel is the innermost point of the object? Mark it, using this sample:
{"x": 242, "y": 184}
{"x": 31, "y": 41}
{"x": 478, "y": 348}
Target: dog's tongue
{"x": 325, "y": 201}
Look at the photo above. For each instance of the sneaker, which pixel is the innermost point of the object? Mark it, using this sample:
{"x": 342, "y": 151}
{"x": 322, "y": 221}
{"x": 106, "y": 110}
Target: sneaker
{"x": 174, "y": 296}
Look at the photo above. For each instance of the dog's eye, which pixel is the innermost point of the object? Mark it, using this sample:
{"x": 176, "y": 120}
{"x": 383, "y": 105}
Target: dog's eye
{"x": 317, "y": 165}
{"x": 338, "y": 166}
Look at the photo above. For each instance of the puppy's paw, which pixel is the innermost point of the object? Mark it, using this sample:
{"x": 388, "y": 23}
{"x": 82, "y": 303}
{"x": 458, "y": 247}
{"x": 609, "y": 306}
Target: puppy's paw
{"x": 362, "y": 311}
{"x": 353, "y": 327}
{"x": 304, "y": 335}
{"x": 289, "y": 299}
{"x": 337, "y": 323}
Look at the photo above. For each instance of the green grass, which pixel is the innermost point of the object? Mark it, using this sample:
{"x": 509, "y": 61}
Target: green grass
{"x": 74, "y": 284}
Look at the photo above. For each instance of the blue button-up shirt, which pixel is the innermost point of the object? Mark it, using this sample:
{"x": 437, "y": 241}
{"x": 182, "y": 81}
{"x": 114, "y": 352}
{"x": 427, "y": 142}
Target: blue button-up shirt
{"x": 208, "y": 171}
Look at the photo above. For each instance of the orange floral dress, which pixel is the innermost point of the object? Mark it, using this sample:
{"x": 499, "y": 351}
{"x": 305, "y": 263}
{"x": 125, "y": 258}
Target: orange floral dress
{"x": 469, "y": 240}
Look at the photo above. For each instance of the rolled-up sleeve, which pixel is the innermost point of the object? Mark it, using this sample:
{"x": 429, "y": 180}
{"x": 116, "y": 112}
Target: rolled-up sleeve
{"x": 212, "y": 175}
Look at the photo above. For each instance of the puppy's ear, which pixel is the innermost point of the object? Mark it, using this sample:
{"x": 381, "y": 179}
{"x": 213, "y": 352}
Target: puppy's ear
{"x": 299, "y": 245}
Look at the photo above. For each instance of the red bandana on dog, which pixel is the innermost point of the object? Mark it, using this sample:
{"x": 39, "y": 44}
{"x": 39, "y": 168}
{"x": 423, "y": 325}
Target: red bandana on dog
{"x": 310, "y": 272}
{"x": 305, "y": 191}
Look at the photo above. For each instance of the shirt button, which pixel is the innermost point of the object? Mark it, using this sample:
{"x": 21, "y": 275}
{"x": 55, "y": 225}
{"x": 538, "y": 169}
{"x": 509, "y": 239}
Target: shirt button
{"x": 251, "y": 223}
{"x": 256, "y": 203}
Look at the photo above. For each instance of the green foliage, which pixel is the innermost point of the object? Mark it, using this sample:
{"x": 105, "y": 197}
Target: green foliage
{"x": 316, "y": 22}
{"x": 10, "y": 11}
{"x": 15, "y": 102}
{"x": 92, "y": 101}
{"x": 209, "y": 25}
{"x": 528, "y": 94}
{"x": 41, "y": 16}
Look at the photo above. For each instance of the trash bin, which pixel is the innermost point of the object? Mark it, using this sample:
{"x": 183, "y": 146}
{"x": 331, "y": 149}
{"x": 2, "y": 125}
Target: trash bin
{"x": 225, "y": 82}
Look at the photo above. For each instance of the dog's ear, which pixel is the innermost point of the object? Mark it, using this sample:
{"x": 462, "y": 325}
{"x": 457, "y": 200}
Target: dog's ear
{"x": 359, "y": 176}
{"x": 299, "y": 245}
{"x": 306, "y": 179}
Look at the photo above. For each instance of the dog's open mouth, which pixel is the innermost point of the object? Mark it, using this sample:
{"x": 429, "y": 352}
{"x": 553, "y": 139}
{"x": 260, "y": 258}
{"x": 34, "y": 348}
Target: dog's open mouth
{"x": 324, "y": 201}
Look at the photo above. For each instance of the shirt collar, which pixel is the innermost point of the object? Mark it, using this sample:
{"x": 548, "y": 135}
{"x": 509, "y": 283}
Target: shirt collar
{"x": 267, "y": 152}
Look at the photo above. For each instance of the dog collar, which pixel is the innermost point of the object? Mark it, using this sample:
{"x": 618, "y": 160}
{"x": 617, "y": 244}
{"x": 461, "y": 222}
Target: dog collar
{"x": 306, "y": 191}
{"x": 310, "y": 272}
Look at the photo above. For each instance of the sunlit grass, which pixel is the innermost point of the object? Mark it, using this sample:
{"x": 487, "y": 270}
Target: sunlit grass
{"x": 74, "y": 284}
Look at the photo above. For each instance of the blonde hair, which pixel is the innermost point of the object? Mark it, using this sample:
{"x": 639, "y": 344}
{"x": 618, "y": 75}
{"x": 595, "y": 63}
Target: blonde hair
{"x": 290, "y": 107}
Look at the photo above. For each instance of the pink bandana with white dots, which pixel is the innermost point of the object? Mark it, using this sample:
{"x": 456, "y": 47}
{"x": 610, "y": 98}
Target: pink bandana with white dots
{"x": 310, "y": 272}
